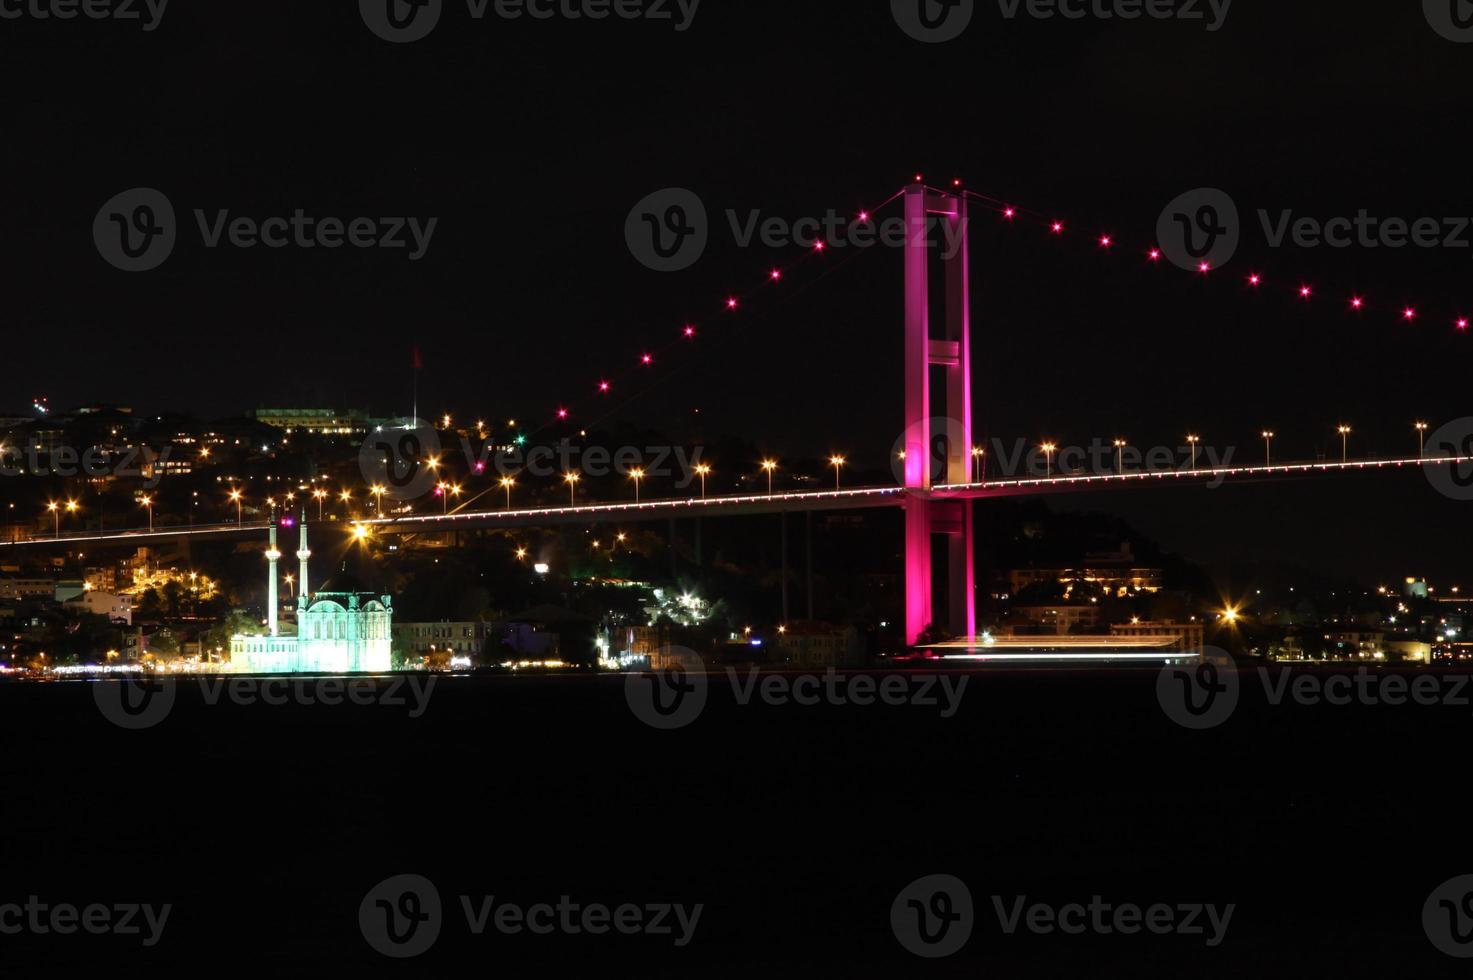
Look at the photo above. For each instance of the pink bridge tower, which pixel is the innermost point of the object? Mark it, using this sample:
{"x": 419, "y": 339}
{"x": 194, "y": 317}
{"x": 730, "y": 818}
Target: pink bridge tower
{"x": 937, "y": 444}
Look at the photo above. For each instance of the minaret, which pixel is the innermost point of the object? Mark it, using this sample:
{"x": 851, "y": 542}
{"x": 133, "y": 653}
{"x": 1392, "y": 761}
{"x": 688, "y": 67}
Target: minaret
{"x": 303, "y": 553}
{"x": 272, "y": 557}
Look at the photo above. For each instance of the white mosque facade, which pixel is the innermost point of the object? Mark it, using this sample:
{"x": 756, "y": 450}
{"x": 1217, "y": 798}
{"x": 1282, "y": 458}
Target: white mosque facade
{"x": 341, "y": 629}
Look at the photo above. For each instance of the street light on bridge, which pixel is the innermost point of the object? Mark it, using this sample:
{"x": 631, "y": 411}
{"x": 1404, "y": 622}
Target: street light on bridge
{"x": 770, "y": 465}
{"x": 1422, "y": 428}
{"x": 1268, "y": 447}
{"x": 147, "y": 503}
{"x": 506, "y": 484}
{"x": 837, "y": 462}
{"x": 1048, "y": 458}
{"x": 54, "y": 509}
{"x": 703, "y": 471}
{"x": 1344, "y": 431}
{"x": 236, "y": 497}
{"x": 1119, "y": 455}
{"x": 979, "y": 464}
{"x": 1192, "y": 441}
{"x": 636, "y": 475}
{"x": 321, "y": 495}
{"x": 571, "y": 479}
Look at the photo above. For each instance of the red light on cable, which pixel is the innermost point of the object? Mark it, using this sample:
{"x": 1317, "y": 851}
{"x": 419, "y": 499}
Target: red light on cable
{"x": 1154, "y": 255}
{"x": 1408, "y": 314}
{"x": 731, "y": 303}
{"x": 603, "y": 387}
{"x": 1305, "y": 292}
{"x": 1357, "y": 303}
{"x": 1058, "y": 227}
{"x": 1204, "y": 267}
{"x": 1105, "y": 241}
{"x": 819, "y": 247}
{"x": 647, "y": 359}
{"x": 776, "y": 275}
{"x": 1009, "y": 213}
{"x": 864, "y": 216}
{"x": 1463, "y": 323}
{"x": 690, "y": 331}
{"x": 1255, "y": 279}
{"x": 562, "y": 413}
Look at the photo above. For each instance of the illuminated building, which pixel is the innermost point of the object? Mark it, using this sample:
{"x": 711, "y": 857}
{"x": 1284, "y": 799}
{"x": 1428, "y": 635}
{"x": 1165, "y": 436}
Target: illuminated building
{"x": 325, "y": 421}
{"x": 343, "y": 628}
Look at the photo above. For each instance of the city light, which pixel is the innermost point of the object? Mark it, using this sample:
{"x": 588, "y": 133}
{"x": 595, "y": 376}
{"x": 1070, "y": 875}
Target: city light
{"x": 237, "y": 498}
{"x": 837, "y": 462}
{"x": 506, "y": 484}
{"x": 571, "y": 479}
{"x": 769, "y": 465}
{"x": 703, "y": 471}
{"x": 636, "y": 475}
{"x": 147, "y": 503}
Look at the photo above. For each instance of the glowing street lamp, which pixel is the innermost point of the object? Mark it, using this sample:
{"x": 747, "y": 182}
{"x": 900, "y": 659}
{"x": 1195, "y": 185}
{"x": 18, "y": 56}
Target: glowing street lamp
{"x": 236, "y": 497}
{"x": 1422, "y": 428}
{"x": 506, "y": 484}
{"x": 1192, "y": 441}
{"x": 378, "y": 491}
{"x": 522, "y": 554}
{"x": 636, "y": 475}
{"x": 54, "y": 509}
{"x": 571, "y": 479}
{"x": 1344, "y": 431}
{"x": 1119, "y": 455}
{"x": 979, "y": 456}
{"x": 147, "y": 503}
{"x": 291, "y": 583}
{"x": 770, "y": 465}
{"x": 703, "y": 471}
{"x": 345, "y": 498}
{"x": 1048, "y": 458}
{"x": 837, "y": 462}
{"x": 1268, "y": 447}
{"x": 321, "y": 495}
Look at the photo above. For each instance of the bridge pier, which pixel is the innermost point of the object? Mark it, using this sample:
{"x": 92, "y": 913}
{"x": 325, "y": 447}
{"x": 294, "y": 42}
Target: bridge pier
{"x": 937, "y": 342}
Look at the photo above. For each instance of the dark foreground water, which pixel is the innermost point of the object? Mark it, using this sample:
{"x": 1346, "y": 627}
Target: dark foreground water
{"x": 795, "y": 827}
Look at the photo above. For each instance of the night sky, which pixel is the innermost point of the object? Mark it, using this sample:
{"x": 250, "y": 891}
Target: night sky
{"x": 531, "y": 141}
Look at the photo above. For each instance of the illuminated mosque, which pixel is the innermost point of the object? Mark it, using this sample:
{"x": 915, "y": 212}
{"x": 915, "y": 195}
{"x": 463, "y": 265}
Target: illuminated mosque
{"x": 343, "y": 628}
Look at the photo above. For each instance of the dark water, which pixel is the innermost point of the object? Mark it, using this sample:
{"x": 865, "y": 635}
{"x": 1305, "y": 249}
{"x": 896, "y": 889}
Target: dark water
{"x": 795, "y": 827}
